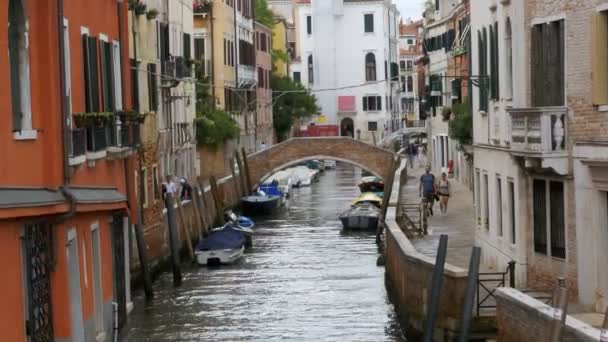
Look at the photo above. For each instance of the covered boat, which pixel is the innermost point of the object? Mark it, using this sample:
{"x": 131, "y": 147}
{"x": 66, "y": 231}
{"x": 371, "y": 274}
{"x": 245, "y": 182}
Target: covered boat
{"x": 242, "y": 224}
{"x": 261, "y": 203}
{"x": 370, "y": 198}
{"x": 222, "y": 246}
{"x": 329, "y": 164}
{"x": 371, "y": 184}
{"x": 363, "y": 216}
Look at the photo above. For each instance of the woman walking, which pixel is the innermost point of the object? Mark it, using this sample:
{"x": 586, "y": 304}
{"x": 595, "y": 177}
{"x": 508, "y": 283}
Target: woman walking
{"x": 443, "y": 190}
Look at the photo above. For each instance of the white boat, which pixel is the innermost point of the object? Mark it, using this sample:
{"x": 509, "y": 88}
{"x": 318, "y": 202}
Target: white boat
{"x": 329, "y": 164}
{"x": 285, "y": 179}
{"x": 303, "y": 176}
{"x": 364, "y": 216}
{"x": 221, "y": 256}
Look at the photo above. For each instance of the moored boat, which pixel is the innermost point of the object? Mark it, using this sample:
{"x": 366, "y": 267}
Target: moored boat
{"x": 222, "y": 246}
{"x": 371, "y": 184}
{"x": 363, "y": 216}
{"x": 261, "y": 204}
{"x": 370, "y": 198}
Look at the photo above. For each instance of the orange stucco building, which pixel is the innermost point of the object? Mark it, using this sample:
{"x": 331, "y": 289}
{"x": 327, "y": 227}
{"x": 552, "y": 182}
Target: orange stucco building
{"x": 67, "y": 142}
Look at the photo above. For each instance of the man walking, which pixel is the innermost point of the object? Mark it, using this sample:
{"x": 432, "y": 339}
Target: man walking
{"x": 427, "y": 188}
{"x": 411, "y": 153}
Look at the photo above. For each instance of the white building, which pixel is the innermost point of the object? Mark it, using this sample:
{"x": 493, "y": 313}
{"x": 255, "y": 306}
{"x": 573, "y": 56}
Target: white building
{"x": 349, "y": 70}
{"x": 409, "y": 53}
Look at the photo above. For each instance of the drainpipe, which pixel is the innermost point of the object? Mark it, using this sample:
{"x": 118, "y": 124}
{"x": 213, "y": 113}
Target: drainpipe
{"x": 65, "y": 130}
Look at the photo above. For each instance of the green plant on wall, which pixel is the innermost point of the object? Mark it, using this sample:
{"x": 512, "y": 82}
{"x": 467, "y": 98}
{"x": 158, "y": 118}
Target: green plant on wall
{"x": 291, "y": 102}
{"x": 215, "y": 127}
{"x": 461, "y": 125}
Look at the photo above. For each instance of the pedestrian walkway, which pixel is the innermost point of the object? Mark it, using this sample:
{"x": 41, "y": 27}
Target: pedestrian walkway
{"x": 458, "y": 224}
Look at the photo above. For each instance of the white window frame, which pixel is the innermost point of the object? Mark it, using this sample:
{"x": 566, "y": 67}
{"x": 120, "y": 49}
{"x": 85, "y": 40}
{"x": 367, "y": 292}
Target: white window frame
{"x": 116, "y": 61}
{"x": 499, "y": 214}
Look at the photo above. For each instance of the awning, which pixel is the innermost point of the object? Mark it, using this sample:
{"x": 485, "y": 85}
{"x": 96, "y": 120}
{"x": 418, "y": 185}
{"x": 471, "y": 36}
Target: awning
{"x": 97, "y": 195}
{"x": 29, "y": 197}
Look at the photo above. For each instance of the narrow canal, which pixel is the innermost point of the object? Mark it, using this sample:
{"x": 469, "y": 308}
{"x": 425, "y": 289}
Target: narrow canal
{"x": 303, "y": 280}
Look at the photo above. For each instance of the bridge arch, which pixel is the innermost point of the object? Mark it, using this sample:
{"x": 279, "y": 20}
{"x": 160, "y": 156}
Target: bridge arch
{"x": 376, "y": 160}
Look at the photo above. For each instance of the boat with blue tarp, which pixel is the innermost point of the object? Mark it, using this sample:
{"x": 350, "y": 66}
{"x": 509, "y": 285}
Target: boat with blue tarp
{"x": 222, "y": 246}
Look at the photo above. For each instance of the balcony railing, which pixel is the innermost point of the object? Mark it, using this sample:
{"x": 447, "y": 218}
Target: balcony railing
{"x": 79, "y": 142}
{"x": 130, "y": 135}
{"x": 541, "y": 130}
{"x": 246, "y": 75}
{"x": 100, "y": 138}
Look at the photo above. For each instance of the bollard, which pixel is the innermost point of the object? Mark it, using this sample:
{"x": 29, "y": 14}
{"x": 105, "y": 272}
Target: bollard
{"x": 560, "y": 311}
{"x": 512, "y": 273}
{"x": 175, "y": 260}
{"x": 436, "y": 283}
{"x": 604, "y": 333}
{"x": 469, "y": 296}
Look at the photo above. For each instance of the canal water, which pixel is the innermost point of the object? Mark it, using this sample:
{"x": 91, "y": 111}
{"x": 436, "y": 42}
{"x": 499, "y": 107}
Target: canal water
{"x": 303, "y": 280}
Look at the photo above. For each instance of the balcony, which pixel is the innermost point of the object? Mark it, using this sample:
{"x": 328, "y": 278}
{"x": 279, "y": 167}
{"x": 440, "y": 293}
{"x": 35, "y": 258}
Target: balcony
{"x": 540, "y": 136}
{"x": 247, "y": 75}
{"x": 118, "y": 140}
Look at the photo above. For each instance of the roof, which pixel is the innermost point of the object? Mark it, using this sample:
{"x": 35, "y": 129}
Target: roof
{"x": 411, "y": 51}
{"x": 411, "y": 28}
{"x": 29, "y": 197}
{"x": 85, "y": 195}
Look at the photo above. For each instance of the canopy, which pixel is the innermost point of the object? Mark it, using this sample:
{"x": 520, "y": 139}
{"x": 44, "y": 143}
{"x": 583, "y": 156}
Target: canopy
{"x": 368, "y": 197}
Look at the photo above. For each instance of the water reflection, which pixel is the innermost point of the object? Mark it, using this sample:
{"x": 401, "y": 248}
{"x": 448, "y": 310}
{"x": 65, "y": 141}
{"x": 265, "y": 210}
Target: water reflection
{"x": 304, "y": 280}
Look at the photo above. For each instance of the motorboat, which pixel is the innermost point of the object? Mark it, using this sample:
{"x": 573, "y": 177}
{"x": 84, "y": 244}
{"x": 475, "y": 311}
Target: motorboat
{"x": 329, "y": 164}
{"x": 362, "y": 216}
{"x": 303, "y": 176}
{"x": 272, "y": 189}
{"x": 368, "y": 197}
{"x": 221, "y": 246}
{"x": 243, "y": 224}
{"x": 261, "y": 203}
{"x": 371, "y": 184}
{"x": 285, "y": 178}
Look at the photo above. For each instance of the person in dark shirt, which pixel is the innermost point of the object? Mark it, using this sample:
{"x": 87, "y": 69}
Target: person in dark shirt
{"x": 186, "y": 190}
{"x": 427, "y": 188}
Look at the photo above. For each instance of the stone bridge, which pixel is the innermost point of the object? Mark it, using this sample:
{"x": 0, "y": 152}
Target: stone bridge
{"x": 378, "y": 161}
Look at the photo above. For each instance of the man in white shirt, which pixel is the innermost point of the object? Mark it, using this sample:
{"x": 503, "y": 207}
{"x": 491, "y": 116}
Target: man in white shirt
{"x": 170, "y": 185}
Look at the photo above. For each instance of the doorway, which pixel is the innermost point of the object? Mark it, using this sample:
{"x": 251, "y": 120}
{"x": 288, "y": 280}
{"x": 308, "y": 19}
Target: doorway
{"x": 347, "y": 127}
{"x": 74, "y": 285}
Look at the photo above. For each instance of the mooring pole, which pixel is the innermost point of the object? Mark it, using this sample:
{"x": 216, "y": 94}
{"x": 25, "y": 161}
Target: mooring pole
{"x": 469, "y": 295}
{"x": 243, "y": 182}
{"x": 219, "y": 209}
{"x": 436, "y": 283}
{"x": 204, "y": 207}
{"x": 197, "y": 212}
{"x": 143, "y": 260}
{"x": 184, "y": 225}
{"x": 560, "y": 311}
{"x": 173, "y": 245}
{"x": 235, "y": 180}
{"x": 247, "y": 174}
{"x": 512, "y": 273}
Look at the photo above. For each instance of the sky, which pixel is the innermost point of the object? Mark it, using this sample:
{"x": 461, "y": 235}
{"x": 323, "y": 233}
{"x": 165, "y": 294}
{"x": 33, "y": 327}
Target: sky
{"x": 410, "y": 8}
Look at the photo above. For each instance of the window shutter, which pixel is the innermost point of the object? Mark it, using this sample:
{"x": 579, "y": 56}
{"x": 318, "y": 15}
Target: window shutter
{"x": 540, "y": 216}
{"x": 94, "y": 74}
{"x": 15, "y": 77}
{"x": 600, "y": 58}
{"x": 309, "y": 24}
{"x": 369, "y": 22}
{"x": 379, "y": 102}
{"x": 558, "y": 228}
{"x": 87, "y": 74}
{"x": 560, "y": 96}
{"x": 187, "y": 53}
{"x": 537, "y": 65}
{"x": 496, "y": 63}
{"x": 365, "y": 104}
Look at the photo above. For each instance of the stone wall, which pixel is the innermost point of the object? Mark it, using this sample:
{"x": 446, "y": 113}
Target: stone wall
{"x": 522, "y": 318}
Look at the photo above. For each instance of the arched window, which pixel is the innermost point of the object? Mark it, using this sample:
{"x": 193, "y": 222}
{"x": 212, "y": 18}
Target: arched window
{"x": 509, "y": 55}
{"x": 311, "y": 76}
{"x": 19, "y": 66}
{"x": 370, "y": 67}
{"x": 410, "y": 84}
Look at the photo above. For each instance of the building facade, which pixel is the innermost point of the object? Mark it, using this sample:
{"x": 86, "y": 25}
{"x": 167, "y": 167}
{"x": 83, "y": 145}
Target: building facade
{"x": 264, "y": 131}
{"x": 68, "y": 175}
{"x": 409, "y": 53}
{"x": 356, "y": 85}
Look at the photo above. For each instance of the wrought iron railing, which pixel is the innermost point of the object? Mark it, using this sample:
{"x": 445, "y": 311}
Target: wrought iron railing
{"x": 488, "y": 282}
{"x": 79, "y": 142}
{"x": 100, "y": 138}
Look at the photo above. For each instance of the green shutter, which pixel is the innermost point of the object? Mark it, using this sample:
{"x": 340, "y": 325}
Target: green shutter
{"x": 93, "y": 74}
{"x": 13, "y": 49}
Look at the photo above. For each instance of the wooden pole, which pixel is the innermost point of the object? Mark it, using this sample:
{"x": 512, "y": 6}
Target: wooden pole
{"x": 235, "y": 180}
{"x": 560, "y": 311}
{"x": 219, "y": 209}
{"x": 186, "y": 227}
{"x": 247, "y": 174}
{"x": 204, "y": 207}
{"x": 435, "y": 294}
{"x": 175, "y": 260}
{"x": 469, "y": 295}
{"x": 197, "y": 213}
{"x": 241, "y": 174}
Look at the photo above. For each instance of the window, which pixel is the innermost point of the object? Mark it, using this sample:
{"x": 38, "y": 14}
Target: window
{"x": 410, "y": 84}
{"x": 436, "y": 5}
{"x": 309, "y": 25}
{"x": 499, "y": 205}
{"x": 486, "y": 202}
{"x": 311, "y": 76}
{"x": 410, "y": 41}
{"x": 263, "y": 42}
{"x": 549, "y": 220}
{"x": 187, "y": 46}
{"x": 402, "y": 65}
{"x": 68, "y": 72}
{"x": 91, "y": 78}
{"x": 372, "y": 103}
{"x": 477, "y": 181}
{"x": 134, "y": 84}
{"x": 107, "y": 74}
{"x": 370, "y": 67}
{"x": 548, "y": 64}
{"x": 600, "y": 58}
{"x": 509, "y": 56}
{"x": 372, "y": 126}
{"x": 482, "y": 68}
{"x": 297, "y": 77}
{"x": 152, "y": 87}
{"x": 199, "y": 49}
{"x": 225, "y": 52}
{"x": 410, "y": 65}
{"x": 512, "y": 211}
{"x": 494, "y": 80}
{"x": 155, "y": 184}
{"x": 369, "y": 22}
{"x": 19, "y": 66}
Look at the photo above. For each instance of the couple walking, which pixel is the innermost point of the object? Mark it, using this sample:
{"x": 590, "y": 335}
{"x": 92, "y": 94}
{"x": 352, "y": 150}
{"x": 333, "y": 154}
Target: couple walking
{"x": 430, "y": 190}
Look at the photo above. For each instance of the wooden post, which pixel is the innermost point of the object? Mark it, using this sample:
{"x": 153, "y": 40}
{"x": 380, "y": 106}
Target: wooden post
{"x": 560, "y": 311}
{"x": 469, "y": 295}
{"x": 204, "y": 207}
{"x": 197, "y": 213}
{"x": 219, "y": 209}
{"x": 247, "y": 174}
{"x": 235, "y": 180}
{"x": 436, "y": 284}
{"x": 241, "y": 174}
{"x": 175, "y": 260}
{"x": 184, "y": 224}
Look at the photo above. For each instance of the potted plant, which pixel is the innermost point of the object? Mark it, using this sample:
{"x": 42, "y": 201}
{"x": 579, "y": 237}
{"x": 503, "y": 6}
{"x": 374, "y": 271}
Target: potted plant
{"x": 200, "y": 7}
{"x": 152, "y": 14}
{"x": 446, "y": 112}
{"x": 140, "y": 8}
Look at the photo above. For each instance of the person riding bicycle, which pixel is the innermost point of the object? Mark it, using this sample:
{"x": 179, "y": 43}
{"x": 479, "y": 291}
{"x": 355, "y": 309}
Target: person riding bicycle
{"x": 427, "y": 188}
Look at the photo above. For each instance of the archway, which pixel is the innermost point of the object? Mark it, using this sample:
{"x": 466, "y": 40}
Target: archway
{"x": 347, "y": 127}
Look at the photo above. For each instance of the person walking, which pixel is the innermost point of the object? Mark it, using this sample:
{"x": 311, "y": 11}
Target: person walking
{"x": 186, "y": 190}
{"x": 443, "y": 190}
{"x": 170, "y": 186}
{"x": 422, "y": 155}
{"x": 410, "y": 154}
{"x": 426, "y": 190}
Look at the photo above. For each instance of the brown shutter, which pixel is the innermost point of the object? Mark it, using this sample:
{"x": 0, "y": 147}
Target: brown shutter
{"x": 539, "y": 198}
{"x": 558, "y": 227}
{"x": 600, "y": 58}
{"x": 537, "y": 65}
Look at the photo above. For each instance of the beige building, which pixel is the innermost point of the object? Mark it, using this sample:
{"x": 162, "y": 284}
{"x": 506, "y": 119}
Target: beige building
{"x": 263, "y": 119}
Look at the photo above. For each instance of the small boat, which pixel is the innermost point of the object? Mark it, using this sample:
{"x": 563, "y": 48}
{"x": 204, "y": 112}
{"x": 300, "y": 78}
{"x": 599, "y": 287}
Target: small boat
{"x": 370, "y": 198}
{"x": 363, "y": 216}
{"x": 371, "y": 184}
{"x": 242, "y": 224}
{"x": 222, "y": 246}
{"x": 261, "y": 203}
{"x": 285, "y": 179}
{"x": 329, "y": 164}
{"x": 303, "y": 176}
{"x": 272, "y": 189}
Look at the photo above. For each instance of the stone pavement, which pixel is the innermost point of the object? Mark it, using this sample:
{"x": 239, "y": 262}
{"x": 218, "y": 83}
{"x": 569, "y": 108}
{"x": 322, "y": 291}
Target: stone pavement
{"x": 458, "y": 224}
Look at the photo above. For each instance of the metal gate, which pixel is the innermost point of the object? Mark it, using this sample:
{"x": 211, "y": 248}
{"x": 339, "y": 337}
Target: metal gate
{"x": 119, "y": 268}
{"x": 38, "y": 254}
